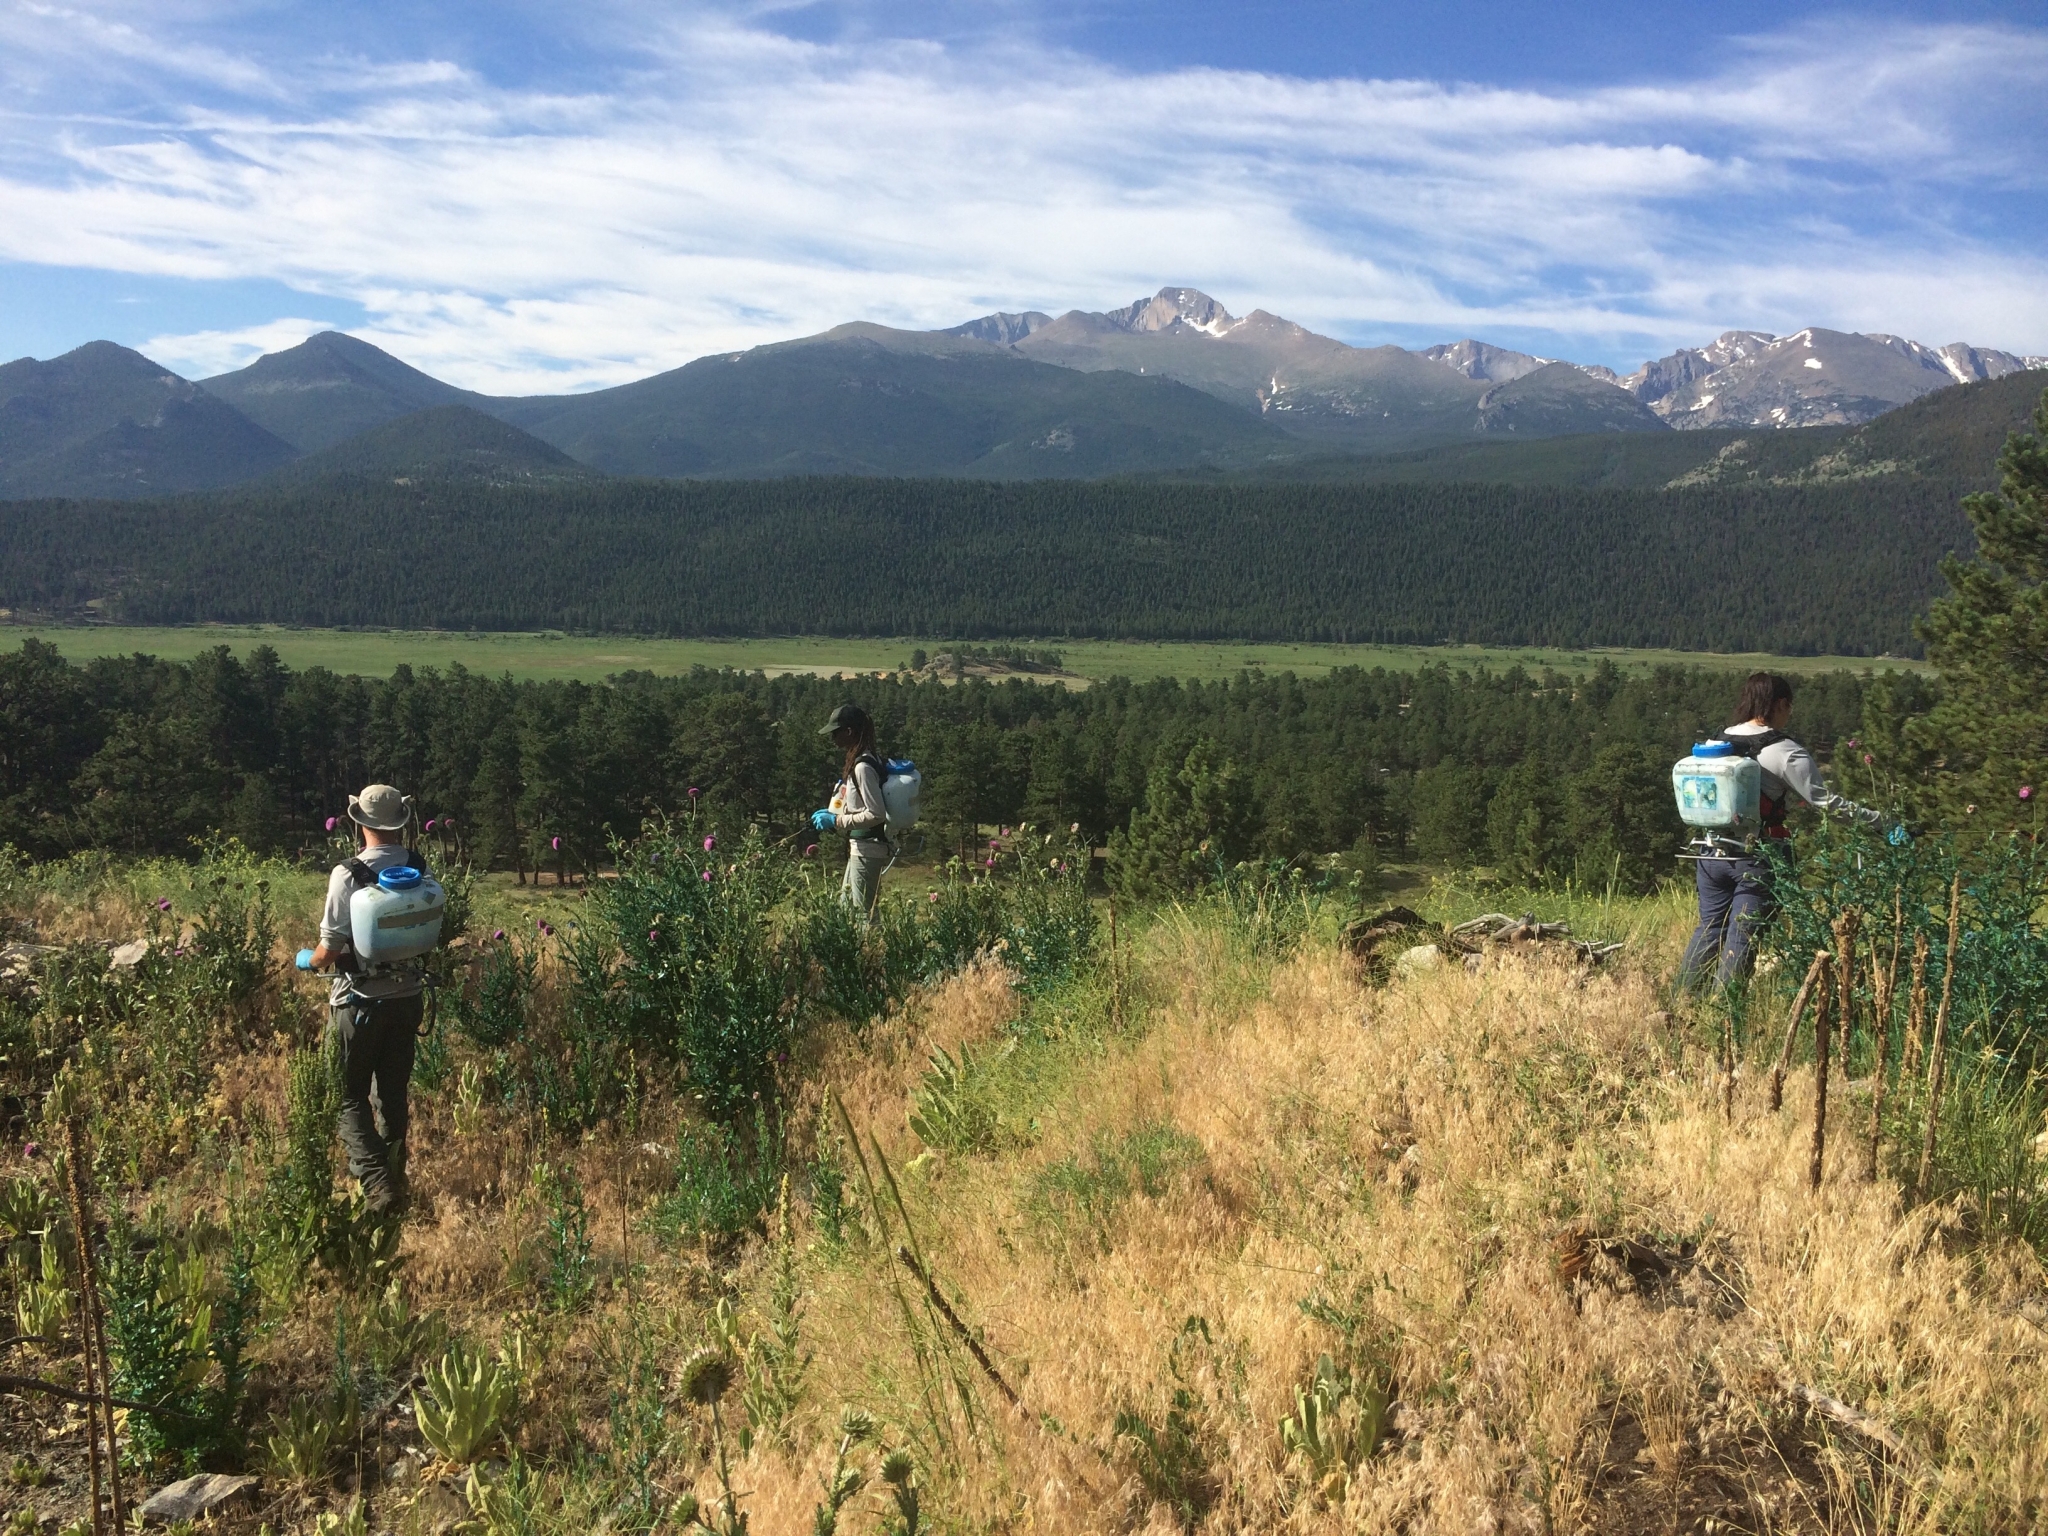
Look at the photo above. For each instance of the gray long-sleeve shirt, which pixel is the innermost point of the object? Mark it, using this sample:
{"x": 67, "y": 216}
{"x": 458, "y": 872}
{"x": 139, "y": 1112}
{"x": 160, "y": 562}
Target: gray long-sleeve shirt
{"x": 1787, "y": 765}
{"x": 860, "y": 800}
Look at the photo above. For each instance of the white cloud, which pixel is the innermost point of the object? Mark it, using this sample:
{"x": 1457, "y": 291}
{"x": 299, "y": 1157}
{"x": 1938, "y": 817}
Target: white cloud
{"x": 734, "y": 187}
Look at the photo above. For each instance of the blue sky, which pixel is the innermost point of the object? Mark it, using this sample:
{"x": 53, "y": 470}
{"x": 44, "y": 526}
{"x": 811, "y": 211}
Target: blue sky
{"x": 525, "y": 197}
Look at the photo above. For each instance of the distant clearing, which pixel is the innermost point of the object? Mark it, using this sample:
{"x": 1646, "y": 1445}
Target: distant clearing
{"x": 592, "y": 658}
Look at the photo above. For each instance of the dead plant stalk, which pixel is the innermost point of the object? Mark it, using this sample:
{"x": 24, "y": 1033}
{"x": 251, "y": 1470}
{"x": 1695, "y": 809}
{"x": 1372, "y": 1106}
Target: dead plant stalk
{"x": 1937, "y": 1057}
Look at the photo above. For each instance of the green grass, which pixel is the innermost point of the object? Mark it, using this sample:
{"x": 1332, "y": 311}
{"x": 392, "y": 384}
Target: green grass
{"x": 592, "y": 658}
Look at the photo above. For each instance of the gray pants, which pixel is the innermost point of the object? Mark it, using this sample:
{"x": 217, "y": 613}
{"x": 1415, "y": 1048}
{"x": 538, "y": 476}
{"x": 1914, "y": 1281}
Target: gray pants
{"x": 866, "y": 858}
{"x": 373, "y": 1045}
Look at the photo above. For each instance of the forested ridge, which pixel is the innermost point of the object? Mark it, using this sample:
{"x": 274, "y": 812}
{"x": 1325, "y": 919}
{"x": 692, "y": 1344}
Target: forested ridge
{"x": 1542, "y": 773}
{"x": 1820, "y": 568}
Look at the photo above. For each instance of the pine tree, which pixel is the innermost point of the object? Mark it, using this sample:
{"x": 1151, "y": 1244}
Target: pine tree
{"x": 1195, "y": 822}
{"x": 1986, "y": 740}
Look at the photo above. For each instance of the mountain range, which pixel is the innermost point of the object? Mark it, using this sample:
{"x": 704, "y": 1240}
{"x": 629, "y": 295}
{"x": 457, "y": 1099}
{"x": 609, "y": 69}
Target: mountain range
{"x": 1173, "y": 383}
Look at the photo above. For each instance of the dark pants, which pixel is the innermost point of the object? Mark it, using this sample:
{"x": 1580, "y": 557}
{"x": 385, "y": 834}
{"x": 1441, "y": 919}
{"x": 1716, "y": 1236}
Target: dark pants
{"x": 373, "y": 1045}
{"x": 1735, "y": 900}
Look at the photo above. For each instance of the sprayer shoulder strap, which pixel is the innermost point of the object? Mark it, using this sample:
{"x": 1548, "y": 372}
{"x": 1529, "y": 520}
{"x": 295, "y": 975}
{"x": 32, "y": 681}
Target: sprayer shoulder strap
{"x": 1748, "y": 745}
{"x": 360, "y": 874}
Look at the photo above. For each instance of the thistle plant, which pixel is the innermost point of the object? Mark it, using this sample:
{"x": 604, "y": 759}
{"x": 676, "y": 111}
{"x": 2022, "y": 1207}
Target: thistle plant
{"x": 856, "y": 1427}
{"x": 705, "y": 1378}
{"x": 470, "y": 1400}
{"x": 900, "y": 1474}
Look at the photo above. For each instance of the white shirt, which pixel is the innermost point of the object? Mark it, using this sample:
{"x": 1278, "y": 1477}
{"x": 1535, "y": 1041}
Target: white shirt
{"x": 1787, "y": 765}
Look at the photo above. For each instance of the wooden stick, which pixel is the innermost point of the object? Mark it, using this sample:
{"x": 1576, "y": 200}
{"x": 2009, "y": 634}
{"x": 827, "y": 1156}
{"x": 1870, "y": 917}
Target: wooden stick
{"x": 1847, "y": 927}
{"x": 1937, "y": 1051}
{"x": 1916, "y": 1012}
{"x": 1883, "y": 981}
{"x": 89, "y": 1399}
{"x": 96, "y": 1383}
{"x": 1813, "y": 972}
{"x": 1823, "y": 988}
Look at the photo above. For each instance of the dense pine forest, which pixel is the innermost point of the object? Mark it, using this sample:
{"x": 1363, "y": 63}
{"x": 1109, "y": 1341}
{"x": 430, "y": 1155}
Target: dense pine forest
{"x": 1824, "y": 567}
{"x": 1545, "y": 775}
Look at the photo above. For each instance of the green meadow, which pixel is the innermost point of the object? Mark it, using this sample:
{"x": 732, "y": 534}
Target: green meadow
{"x": 594, "y": 657}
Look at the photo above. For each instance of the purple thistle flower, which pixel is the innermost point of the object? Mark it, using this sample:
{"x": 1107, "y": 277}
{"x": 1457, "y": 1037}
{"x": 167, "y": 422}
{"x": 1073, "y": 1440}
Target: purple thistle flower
{"x": 498, "y": 933}
{"x": 935, "y": 896}
{"x": 32, "y": 1149}
{"x": 555, "y": 843}
{"x": 707, "y": 876}
{"x": 695, "y": 791}
{"x": 654, "y": 935}
{"x": 163, "y": 903}
{"x": 1868, "y": 759}
{"x": 710, "y": 843}
{"x": 810, "y": 850}
{"x": 2026, "y": 791}
{"x": 332, "y": 821}
{"x": 429, "y": 826}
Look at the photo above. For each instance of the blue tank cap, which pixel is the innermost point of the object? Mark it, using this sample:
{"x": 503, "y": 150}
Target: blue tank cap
{"x": 902, "y": 765}
{"x": 1712, "y": 749}
{"x": 403, "y": 878}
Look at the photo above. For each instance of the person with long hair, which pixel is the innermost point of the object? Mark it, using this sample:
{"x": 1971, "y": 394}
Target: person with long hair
{"x": 1734, "y": 878}
{"x": 856, "y": 807}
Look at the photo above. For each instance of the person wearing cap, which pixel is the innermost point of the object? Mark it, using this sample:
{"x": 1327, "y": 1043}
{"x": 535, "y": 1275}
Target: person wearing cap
{"x": 856, "y": 807}
{"x": 373, "y": 1018}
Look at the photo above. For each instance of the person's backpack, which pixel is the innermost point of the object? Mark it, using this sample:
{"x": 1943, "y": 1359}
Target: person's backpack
{"x": 901, "y": 785}
{"x": 394, "y": 915}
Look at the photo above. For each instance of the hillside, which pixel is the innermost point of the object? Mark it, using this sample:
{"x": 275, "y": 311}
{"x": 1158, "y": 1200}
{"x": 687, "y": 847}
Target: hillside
{"x": 865, "y": 400}
{"x": 1950, "y": 437}
{"x": 331, "y": 387}
{"x": 443, "y": 442}
{"x": 1829, "y": 568}
{"x": 106, "y": 421}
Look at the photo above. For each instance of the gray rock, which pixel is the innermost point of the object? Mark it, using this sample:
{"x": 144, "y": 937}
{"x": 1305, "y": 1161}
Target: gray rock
{"x": 191, "y": 1497}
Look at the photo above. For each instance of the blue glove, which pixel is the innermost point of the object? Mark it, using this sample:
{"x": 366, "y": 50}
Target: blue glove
{"x": 1898, "y": 837}
{"x": 824, "y": 821}
{"x": 304, "y": 960}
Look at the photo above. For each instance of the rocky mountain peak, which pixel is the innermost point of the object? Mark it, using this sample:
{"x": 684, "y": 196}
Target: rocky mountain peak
{"x": 1002, "y": 328}
{"x": 1169, "y": 307}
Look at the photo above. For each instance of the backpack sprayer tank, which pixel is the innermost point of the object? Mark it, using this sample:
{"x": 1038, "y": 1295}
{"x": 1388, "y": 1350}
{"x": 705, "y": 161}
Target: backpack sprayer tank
{"x": 1717, "y": 788}
{"x": 901, "y": 785}
{"x": 398, "y": 918}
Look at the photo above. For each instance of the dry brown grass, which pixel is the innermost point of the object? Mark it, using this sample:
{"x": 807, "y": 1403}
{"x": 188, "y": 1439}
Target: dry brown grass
{"x": 1422, "y": 1151}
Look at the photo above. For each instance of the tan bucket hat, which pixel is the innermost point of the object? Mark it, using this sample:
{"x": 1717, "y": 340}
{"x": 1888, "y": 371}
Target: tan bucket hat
{"x": 381, "y": 808}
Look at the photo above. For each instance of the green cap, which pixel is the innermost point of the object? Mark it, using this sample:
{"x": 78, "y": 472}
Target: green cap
{"x": 850, "y": 716}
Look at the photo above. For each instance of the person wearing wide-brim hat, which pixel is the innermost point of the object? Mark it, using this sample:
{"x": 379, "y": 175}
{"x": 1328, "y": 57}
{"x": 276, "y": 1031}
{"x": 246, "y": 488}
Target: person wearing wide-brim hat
{"x": 856, "y": 807}
{"x": 373, "y": 1017}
